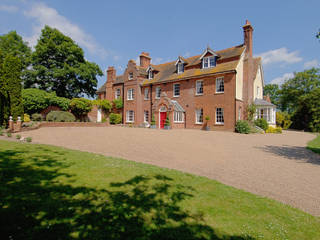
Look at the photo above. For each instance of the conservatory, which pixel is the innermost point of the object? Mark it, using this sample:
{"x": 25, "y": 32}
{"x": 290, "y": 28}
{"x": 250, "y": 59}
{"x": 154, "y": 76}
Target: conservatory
{"x": 266, "y": 110}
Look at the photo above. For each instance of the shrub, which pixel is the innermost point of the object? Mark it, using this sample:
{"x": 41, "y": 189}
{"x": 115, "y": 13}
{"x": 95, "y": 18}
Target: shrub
{"x": 153, "y": 121}
{"x": 251, "y": 110}
{"x": 117, "y": 103}
{"x": 242, "y": 126}
{"x": 104, "y": 105}
{"x": 167, "y": 122}
{"x": 103, "y": 120}
{"x": 18, "y": 136}
{"x": 286, "y": 124}
{"x": 115, "y": 118}
{"x": 36, "y": 117}
{"x": 9, "y": 134}
{"x": 207, "y": 118}
{"x": 1, "y": 132}
{"x": 261, "y": 123}
{"x": 60, "y": 116}
{"x": 80, "y": 107}
{"x": 283, "y": 120}
{"x": 29, "y": 139}
{"x": 274, "y": 130}
{"x": 26, "y": 117}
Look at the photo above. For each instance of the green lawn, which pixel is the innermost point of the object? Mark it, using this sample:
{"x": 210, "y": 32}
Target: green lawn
{"x": 49, "y": 192}
{"x": 314, "y": 145}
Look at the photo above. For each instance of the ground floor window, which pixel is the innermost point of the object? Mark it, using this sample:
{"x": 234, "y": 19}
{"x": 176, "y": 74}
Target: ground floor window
{"x": 199, "y": 116}
{"x": 219, "y": 116}
{"x": 269, "y": 114}
{"x": 146, "y": 116}
{"x": 130, "y": 116}
{"x": 178, "y": 117}
{"x": 239, "y": 113}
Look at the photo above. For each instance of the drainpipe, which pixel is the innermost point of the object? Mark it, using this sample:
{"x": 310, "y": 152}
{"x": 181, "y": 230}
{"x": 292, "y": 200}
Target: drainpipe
{"x": 151, "y": 114}
{"x": 185, "y": 120}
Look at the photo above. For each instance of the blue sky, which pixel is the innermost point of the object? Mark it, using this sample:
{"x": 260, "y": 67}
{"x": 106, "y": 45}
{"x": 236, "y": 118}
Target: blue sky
{"x": 112, "y": 32}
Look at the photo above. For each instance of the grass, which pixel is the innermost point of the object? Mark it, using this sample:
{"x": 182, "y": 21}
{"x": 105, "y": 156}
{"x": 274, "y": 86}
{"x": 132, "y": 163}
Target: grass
{"x": 314, "y": 145}
{"x": 49, "y": 193}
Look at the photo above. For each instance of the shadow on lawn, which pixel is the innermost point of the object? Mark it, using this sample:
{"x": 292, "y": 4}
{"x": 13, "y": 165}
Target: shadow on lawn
{"x": 301, "y": 154}
{"x": 36, "y": 205}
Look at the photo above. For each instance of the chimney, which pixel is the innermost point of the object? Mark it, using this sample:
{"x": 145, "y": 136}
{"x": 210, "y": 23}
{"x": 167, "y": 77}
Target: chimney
{"x": 111, "y": 74}
{"x": 145, "y": 60}
{"x": 247, "y": 31}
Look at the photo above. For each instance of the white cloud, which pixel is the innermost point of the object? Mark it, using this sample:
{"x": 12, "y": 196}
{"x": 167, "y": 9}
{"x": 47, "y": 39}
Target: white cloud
{"x": 280, "y": 55}
{"x": 45, "y": 15}
{"x": 8, "y": 8}
{"x": 311, "y": 64}
{"x": 282, "y": 79}
{"x": 157, "y": 61}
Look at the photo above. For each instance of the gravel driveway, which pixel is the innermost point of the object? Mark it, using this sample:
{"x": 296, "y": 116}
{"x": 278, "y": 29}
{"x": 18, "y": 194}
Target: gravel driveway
{"x": 273, "y": 165}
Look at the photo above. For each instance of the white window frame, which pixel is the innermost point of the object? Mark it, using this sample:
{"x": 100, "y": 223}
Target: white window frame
{"x": 117, "y": 93}
{"x": 158, "y": 93}
{"x": 219, "y": 116}
{"x": 199, "y": 116}
{"x": 218, "y": 82}
{"x": 178, "y": 117}
{"x": 258, "y": 91}
{"x": 130, "y": 75}
{"x": 146, "y": 93}
{"x": 146, "y": 116}
{"x": 150, "y": 74}
{"x": 207, "y": 61}
{"x": 130, "y": 116}
{"x": 130, "y": 94}
{"x": 180, "y": 68}
{"x": 174, "y": 90}
{"x": 239, "y": 113}
{"x": 199, "y": 87}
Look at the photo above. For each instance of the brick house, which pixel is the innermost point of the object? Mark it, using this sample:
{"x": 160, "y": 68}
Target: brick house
{"x": 217, "y": 84}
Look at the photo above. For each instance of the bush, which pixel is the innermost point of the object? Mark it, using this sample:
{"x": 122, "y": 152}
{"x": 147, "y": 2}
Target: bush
{"x": 37, "y": 117}
{"x": 286, "y": 124}
{"x": 26, "y": 117}
{"x": 104, "y": 105}
{"x": 251, "y": 110}
{"x": 242, "y": 126}
{"x": 153, "y": 121}
{"x": 1, "y": 132}
{"x": 80, "y": 107}
{"x": 9, "y": 134}
{"x": 29, "y": 139}
{"x": 283, "y": 120}
{"x": 261, "y": 123}
{"x": 117, "y": 103}
{"x": 18, "y": 136}
{"x": 60, "y": 116}
{"x": 167, "y": 122}
{"x": 115, "y": 118}
{"x": 274, "y": 130}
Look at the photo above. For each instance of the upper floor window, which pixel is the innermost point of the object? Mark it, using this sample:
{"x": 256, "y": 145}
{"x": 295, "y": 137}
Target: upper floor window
{"x": 219, "y": 85}
{"x": 130, "y": 76}
{"x": 180, "y": 67}
{"x": 117, "y": 93}
{"x": 146, "y": 93}
{"x": 199, "y": 116}
{"x": 176, "y": 90}
{"x": 150, "y": 74}
{"x": 219, "y": 116}
{"x": 158, "y": 92}
{"x": 208, "y": 62}
{"x": 130, "y": 94}
{"x": 199, "y": 87}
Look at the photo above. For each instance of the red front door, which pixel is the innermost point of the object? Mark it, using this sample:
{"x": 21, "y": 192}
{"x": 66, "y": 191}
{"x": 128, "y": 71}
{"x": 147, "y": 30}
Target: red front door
{"x": 163, "y": 117}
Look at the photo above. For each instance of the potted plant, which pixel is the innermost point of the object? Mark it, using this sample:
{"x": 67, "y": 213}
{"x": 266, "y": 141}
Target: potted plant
{"x": 205, "y": 124}
{"x": 167, "y": 124}
{"x": 153, "y": 122}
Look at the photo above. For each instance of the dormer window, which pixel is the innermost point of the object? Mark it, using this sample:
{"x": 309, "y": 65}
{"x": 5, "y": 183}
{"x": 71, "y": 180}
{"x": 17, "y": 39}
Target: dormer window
{"x": 208, "y": 62}
{"x": 150, "y": 74}
{"x": 130, "y": 77}
{"x": 180, "y": 67}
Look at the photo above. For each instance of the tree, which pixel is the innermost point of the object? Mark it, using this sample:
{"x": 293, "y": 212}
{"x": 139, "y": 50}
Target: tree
{"x": 10, "y": 88}
{"x": 301, "y": 84}
{"x": 58, "y": 64}
{"x": 13, "y": 44}
{"x": 80, "y": 107}
{"x": 273, "y": 91}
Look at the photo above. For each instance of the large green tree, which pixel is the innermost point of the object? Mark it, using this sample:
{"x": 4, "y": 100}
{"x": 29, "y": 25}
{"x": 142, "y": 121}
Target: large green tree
{"x": 10, "y": 88}
{"x": 273, "y": 91}
{"x": 58, "y": 64}
{"x": 301, "y": 84}
{"x": 13, "y": 44}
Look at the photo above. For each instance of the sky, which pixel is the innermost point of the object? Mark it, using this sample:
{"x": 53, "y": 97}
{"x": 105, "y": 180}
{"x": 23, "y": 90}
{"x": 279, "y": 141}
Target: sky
{"x": 113, "y": 32}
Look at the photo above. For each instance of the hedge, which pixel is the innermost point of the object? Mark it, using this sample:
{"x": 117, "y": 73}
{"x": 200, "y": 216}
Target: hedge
{"x": 60, "y": 116}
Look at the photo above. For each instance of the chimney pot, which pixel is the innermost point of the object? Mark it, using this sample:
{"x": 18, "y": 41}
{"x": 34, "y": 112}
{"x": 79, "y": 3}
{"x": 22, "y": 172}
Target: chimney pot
{"x": 145, "y": 59}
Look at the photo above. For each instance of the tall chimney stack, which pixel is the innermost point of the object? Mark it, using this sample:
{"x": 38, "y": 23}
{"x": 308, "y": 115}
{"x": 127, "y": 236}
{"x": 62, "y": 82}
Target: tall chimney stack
{"x": 145, "y": 60}
{"x": 247, "y": 31}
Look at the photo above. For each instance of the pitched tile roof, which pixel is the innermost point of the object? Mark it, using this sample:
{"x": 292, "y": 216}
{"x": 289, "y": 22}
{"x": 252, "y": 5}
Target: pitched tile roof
{"x": 256, "y": 64}
{"x": 261, "y": 102}
{"x": 102, "y": 89}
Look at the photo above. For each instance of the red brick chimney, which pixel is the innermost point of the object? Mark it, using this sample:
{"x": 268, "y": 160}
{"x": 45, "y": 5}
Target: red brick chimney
{"x": 145, "y": 60}
{"x": 247, "y": 30}
{"x": 111, "y": 77}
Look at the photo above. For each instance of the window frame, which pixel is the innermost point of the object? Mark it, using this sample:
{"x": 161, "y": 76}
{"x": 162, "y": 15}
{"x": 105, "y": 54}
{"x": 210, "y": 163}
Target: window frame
{"x": 221, "y": 117}
{"x": 150, "y": 74}
{"x": 128, "y": 116}
{"x": 199, "y": 81}
{"x": 219, "y": 79}
{"x": 174, "y": 89}
{"x": 156, "y": 95}
{"x": 200, "y": 116}
{"x": 146, "y": 97}
{"x": 207, "y": 61}
{"x": 130, "y": 76}
{"x": 145, "y": 116}
{"x": 180, "y": 67}
{"x": 116, "y": 96}
{"x": 131, "y": 95}
{"x": 178, "y": 117}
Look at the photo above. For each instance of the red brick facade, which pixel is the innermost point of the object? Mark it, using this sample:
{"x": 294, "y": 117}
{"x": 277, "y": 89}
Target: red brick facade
{"x": 233, "y": 102}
